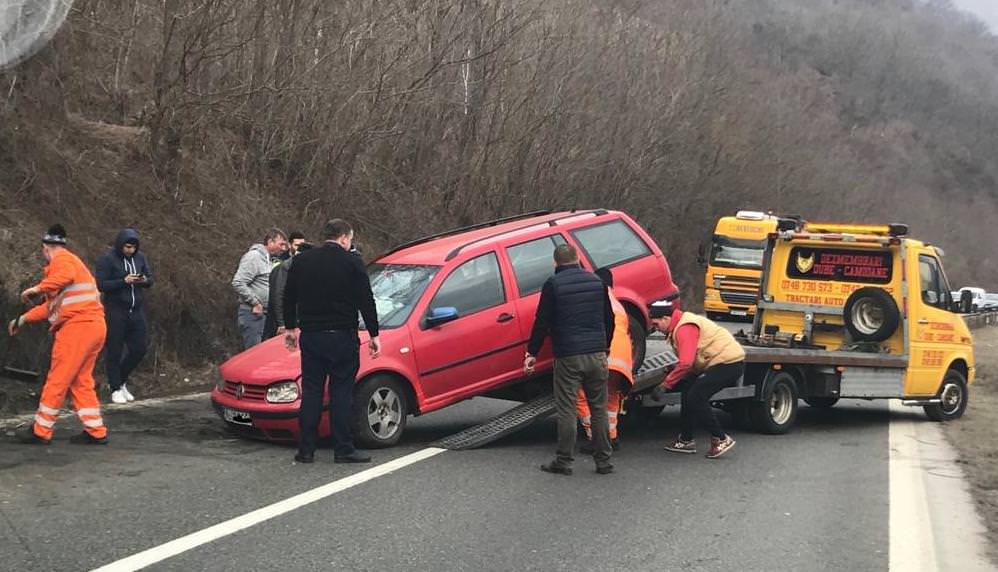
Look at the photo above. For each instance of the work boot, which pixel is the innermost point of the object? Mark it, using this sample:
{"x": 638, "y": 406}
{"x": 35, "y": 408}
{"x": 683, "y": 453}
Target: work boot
{"x": 118, "y": 396}
{"x": 604, "y": 469}
{"x": 719, "y": 447}
{"x": 27, "y": 436}
{"x": 128, "y": 394}
{"x": 355, "y": 457}
{"x": 84, "y": 438}
{"x": 301, "y": 457}
{"x": 558, "y": 469}
{"x": 680, "y": 445}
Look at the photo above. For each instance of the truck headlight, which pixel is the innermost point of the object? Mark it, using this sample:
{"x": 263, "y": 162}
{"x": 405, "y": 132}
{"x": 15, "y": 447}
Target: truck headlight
{"x": 282, "y": 392}
{"x": 712, "y": 294}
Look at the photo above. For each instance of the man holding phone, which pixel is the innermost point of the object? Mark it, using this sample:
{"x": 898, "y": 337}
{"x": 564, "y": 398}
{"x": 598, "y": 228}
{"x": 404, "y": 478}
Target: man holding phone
{"x": 123, "y": 274}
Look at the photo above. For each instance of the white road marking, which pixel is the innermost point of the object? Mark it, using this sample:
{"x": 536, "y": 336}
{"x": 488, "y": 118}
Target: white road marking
{"x": 934, "y": 525}
{"x": 193, "y": 540}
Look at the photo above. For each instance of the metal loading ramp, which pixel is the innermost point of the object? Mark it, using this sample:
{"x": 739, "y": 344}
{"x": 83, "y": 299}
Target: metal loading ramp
{"x": 522, "y": 416}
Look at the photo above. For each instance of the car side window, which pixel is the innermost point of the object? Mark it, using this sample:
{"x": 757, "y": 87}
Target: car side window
{"x": 931, "y": 280}
{"x": 610, "y": 243}
{"x": 474, "y": 285}
{"x": 533, "y": 262}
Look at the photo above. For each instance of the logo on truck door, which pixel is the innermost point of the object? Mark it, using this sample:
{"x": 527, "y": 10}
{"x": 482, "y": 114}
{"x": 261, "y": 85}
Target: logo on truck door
{"x": 865, "y": 266}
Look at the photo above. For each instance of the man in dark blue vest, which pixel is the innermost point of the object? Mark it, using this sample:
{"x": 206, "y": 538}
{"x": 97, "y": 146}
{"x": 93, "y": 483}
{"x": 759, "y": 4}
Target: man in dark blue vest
{"x": 575, "y": 309}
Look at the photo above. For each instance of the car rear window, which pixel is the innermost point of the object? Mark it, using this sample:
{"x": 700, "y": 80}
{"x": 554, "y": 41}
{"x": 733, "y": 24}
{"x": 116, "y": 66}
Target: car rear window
{"x": 610, "y": 243}
{"x": 533, "y": 262}
{"x": 841, "y": 265}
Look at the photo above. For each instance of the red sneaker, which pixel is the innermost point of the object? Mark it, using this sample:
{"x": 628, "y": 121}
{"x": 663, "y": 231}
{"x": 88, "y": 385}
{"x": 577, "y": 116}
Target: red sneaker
{"x": 719, "y": 447}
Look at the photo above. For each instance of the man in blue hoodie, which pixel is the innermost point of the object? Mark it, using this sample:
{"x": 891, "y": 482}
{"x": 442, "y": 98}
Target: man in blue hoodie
{"x": 122, "y": 274}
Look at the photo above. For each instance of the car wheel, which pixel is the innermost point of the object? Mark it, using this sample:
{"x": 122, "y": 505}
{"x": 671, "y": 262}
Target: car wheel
{"x": 953, "y": 396}
{"x": 639, "y": 335}
{"x": 380, "y": 410}
{"x": 777, "y": 411}
{"x": 821, "y": 402}
{"x": 871, "y": 315}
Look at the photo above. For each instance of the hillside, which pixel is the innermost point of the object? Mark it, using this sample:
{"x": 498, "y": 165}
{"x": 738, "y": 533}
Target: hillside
{"x": 202, "y": 123}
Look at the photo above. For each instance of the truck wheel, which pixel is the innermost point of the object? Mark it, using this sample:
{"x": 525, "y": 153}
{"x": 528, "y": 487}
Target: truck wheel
{"x": 639, "y": 338}
{"x": 777, "y": 411}
{"x": 821, "y": 402}
{"x": 379, "y": 412}
{"x": 871, "y": 315}
{"x": 954, "y": 396}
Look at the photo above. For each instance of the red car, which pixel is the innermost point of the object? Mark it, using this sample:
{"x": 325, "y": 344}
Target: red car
{"x": 455, "y": 310}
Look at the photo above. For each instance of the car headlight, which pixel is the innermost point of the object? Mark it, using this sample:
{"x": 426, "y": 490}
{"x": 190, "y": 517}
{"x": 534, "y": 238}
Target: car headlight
{"x": 283, "y": 392}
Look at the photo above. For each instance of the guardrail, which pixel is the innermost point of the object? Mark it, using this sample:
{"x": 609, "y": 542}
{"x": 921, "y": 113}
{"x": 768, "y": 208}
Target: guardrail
{"x": 981, "y": 319}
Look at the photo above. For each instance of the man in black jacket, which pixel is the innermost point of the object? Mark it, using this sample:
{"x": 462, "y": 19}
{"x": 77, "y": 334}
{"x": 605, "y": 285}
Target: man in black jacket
{"x": 274, "y": 325}
{"x": 326, "y": 288}
{"x": 575, "y": 308}
{"x": 122, "y": 275}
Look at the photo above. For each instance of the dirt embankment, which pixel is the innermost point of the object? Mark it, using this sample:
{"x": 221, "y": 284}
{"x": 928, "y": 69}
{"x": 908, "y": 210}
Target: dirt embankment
{"x": 975, "y": 436}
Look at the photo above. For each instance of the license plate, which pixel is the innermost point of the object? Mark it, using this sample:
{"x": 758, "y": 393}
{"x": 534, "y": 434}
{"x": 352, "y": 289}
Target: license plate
{"x": 739, "y": 313}
{"x": 237, "y": 417}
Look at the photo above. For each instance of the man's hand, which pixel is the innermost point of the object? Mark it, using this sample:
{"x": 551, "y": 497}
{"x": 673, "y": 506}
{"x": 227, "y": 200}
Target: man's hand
{"x": 281, "y": 330}
{"x": 257, "y": 310}
{"x": 291, "y": 339}
{"x": 27, "y": 294}
{"x": 132, "y": 279}
{"x": 15, "y": 325}
{"x": 374, "y": 346}
{"x": 528, "y": 364}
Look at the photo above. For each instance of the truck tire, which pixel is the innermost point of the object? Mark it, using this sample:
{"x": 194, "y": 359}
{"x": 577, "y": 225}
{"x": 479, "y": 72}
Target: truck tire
{"x": 639, "y": 337}
{"x": 954, "y": 396}
{"x": 821, "y": 402}
{"x": 380, "y": 410}
{"x": 871, "y": 315}
{"x": 777, "y": 412}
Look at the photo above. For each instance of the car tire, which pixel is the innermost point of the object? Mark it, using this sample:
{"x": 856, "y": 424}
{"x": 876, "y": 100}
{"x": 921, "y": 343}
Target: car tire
{"x": 871, "y": 315}
{"x": 776, "y": 413}
{"x": 821, "y": 402}
{"x": 639, "y": 337}
{"x": 954, "y": 396}
{"x": 380, "y": 411}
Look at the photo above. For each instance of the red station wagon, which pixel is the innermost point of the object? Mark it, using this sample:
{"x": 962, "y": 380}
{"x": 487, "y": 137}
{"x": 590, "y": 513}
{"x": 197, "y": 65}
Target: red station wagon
{"x": 455, "y": 310}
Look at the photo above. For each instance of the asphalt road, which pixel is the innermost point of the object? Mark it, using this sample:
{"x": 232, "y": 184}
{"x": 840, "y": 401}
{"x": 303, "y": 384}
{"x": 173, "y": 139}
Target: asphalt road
{"x": 815, "y": 499}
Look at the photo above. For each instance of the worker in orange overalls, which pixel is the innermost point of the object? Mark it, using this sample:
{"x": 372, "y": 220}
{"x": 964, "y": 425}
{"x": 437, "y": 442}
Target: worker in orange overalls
{"x": 73, "y": 309}
{"x": 620, "y": 362}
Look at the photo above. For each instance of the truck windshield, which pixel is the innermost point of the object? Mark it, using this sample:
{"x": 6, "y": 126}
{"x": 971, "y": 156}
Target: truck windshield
{"x": 397, "y": 288}
{"x": 738, "y": 253}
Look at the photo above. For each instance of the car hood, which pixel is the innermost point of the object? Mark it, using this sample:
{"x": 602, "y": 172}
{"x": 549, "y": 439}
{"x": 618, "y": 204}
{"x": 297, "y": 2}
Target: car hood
{"x": 268, "y": 362}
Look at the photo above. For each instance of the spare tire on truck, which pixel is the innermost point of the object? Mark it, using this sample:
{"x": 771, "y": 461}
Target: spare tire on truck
{"x": 871, "y": 315}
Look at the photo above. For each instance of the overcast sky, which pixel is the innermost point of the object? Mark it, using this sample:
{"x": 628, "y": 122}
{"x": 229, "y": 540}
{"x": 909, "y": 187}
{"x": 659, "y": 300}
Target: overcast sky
{"x": 986, "y": 10}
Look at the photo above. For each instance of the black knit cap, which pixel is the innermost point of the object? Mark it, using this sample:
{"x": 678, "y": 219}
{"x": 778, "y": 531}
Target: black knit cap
{"x": 55, "y": 235}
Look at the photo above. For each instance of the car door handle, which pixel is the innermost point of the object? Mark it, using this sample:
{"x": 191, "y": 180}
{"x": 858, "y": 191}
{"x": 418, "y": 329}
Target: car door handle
{"x": 923, "y": 321}
{"x": 504, "y": 317}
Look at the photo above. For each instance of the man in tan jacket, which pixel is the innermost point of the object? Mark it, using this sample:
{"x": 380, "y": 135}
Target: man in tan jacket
{"x": 709, "y": 360}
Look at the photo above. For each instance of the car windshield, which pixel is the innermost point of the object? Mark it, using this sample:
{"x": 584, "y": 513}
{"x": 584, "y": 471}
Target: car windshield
{"x": 737, "y": 252}
{"x": 397, "y": 288}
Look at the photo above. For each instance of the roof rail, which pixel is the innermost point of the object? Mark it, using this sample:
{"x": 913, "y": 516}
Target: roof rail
{"x": 459, "y": 230}
{"x": 553, "y": 222}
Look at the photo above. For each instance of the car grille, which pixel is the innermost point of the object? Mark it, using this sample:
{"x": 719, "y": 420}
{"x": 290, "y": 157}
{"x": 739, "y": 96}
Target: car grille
{"x": 740, "y": 298}
{"x": 250, "y": 392}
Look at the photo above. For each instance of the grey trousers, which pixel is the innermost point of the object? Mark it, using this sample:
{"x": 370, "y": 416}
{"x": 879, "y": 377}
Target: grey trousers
{"x": 250, "y": 326}
{"x": 590, "y": 372}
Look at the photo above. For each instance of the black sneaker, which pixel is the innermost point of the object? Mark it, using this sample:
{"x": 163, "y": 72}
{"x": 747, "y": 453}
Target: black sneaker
{"x": 604, "y": 469}
{"x": 355, "y": 457}
{"x": 556, "y": 469}
{"x": 304, "y": 457}
{"x": 27, "y": 436}
{"x": 85, "y": 438}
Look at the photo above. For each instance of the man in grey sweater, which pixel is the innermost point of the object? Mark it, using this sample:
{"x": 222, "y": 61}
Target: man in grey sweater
{"x": 252, "y": 284}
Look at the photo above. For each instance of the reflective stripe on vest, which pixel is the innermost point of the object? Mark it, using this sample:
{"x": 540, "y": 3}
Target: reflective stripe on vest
{"x": 70, "y": 295}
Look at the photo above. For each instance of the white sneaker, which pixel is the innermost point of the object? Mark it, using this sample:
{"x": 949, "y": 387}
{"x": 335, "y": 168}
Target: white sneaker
{"x": 119, "y": 396}
{"x": 128, "y": 394}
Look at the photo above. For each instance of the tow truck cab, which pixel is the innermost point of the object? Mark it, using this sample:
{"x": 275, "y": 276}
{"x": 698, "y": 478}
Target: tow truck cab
{"x": 734, "y": 264}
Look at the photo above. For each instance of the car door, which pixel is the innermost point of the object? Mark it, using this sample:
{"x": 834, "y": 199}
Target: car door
{"x": 532, "y": 263}
{"x": 482, "y": 347}
{"x": 932, "y": 330}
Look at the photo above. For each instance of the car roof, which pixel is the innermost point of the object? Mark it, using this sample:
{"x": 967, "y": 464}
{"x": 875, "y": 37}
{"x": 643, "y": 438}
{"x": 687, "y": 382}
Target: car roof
{"x": 437, "y": 250}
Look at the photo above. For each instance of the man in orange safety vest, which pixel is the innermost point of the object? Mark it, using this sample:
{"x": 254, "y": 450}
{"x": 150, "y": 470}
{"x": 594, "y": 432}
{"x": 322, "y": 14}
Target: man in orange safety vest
{"x": 75, "y": 315}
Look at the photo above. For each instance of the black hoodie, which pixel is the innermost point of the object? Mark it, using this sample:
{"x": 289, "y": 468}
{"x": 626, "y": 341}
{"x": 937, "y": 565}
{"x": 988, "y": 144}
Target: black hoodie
{"x": 113, "y": 266}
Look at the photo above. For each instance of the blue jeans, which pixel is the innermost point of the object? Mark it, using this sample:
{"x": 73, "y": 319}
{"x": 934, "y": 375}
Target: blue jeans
{"x": 250, "y": 326}
{"x": 332, "y": 355}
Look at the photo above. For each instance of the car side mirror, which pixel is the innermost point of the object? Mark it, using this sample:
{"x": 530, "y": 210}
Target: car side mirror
{"x": 442, "y": 315}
